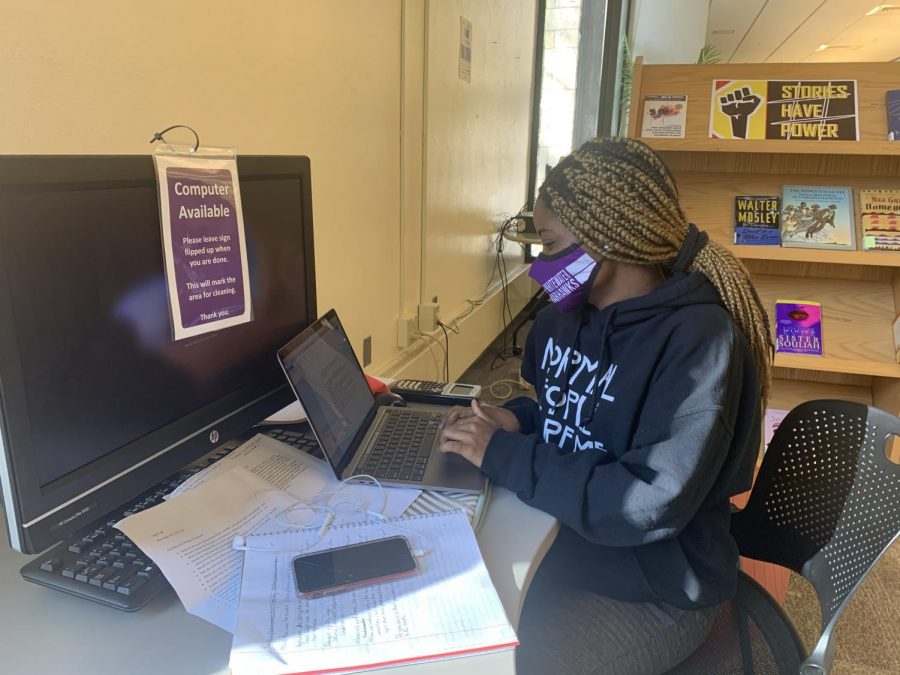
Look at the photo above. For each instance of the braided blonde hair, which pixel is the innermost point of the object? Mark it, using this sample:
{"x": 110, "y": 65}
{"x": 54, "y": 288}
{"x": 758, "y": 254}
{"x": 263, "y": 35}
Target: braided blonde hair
{"x": 619, "y": 198}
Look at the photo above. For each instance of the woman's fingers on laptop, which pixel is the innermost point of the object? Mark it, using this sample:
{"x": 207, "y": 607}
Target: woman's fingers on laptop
{"x": 455, "y": 414}
{"x": 468, "y": 437}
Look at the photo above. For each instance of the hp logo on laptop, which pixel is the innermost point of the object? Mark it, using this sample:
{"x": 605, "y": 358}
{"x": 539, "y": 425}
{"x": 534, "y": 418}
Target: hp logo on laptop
{"x": 213, "y": 436}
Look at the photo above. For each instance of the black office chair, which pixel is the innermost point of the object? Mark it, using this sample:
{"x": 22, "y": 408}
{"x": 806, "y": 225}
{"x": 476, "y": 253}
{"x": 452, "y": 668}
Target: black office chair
{"x": 826, "y": 504}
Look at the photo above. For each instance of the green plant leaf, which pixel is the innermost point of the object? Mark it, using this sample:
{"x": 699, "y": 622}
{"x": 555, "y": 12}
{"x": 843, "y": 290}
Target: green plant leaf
{"x": 709, "y": 54}
{"x": 625, "y": 86}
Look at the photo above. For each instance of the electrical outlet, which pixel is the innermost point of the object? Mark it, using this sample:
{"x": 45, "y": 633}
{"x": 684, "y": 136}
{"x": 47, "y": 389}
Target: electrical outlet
{"x": 406, "y": 327}
{"x": 428, "y": 316}
{"x": 367, "y": 351}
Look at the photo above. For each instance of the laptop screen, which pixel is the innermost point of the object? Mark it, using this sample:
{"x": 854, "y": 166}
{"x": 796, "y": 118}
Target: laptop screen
{"x": 330, "y": 384}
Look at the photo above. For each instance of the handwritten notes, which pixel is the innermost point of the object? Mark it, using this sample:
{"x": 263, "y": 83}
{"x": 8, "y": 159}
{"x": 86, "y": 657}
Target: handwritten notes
{"x": 449, "y": 608}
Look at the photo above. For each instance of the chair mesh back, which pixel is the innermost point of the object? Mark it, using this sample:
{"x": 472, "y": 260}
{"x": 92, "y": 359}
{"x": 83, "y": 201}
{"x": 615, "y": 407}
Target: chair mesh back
{"x": 827, "y": 499}
{"x": 751, "y": 634}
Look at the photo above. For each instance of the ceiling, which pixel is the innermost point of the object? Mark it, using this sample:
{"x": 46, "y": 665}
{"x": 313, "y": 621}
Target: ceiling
{"x": 797, "y": 31}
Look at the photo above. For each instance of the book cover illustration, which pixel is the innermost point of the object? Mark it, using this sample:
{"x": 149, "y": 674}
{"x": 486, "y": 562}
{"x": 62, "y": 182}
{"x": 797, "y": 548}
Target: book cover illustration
{"x": 756, "y": 220}
{"x": 664, "y": 116}
{"x": 815, "y": 216}
{"x": 892, "y": 103}
{"x": 798, "y": 327}
{"x": 879, "y": 217}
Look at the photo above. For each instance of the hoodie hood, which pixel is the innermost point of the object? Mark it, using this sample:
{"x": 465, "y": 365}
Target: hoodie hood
{"x": 681, "y": 289}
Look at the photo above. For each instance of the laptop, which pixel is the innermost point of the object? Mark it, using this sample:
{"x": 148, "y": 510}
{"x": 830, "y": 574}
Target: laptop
{"x": 396, "y": 445}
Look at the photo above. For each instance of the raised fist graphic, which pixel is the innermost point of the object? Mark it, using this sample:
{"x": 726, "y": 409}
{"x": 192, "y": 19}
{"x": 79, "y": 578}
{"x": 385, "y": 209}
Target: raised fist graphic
{"x": 739, "y": 105}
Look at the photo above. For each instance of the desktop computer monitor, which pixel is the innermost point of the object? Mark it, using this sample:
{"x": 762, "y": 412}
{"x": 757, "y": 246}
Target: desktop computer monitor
{"x": 98, "y": 403}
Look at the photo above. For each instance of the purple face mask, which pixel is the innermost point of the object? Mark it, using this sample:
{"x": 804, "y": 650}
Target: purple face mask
{"x": 566, "y": 276}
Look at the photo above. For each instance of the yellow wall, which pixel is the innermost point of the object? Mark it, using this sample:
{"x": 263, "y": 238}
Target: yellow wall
{"x": 354, "y": 84}
{"x": 476, "y": 162}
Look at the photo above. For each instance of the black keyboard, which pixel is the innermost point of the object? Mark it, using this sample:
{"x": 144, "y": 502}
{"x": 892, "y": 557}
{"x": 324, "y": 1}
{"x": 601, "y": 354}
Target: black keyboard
{"x": 101, "y": 564}
{"x": 403, "y": 445}
{"x": 298, "y": 436}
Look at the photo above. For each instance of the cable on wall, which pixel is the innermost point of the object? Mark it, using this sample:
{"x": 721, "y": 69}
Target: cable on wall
{"x": 430, "y": 340}
{"x": 500, "y": 268}
{"x": 444, "y": 327}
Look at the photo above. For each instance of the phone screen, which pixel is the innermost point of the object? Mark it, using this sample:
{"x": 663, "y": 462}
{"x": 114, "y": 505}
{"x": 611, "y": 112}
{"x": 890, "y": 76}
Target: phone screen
{"x": 354, "y": 565}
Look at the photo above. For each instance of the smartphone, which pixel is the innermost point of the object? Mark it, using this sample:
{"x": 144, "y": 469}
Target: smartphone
{"x": 346, "y": 567}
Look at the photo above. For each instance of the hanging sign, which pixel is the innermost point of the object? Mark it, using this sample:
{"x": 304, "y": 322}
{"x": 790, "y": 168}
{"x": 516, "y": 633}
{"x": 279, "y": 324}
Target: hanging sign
{"x": 790, "y": 110}
{"x": 204, "y": 246}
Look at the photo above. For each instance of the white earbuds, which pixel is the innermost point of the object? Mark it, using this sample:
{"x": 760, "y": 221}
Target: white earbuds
{"x": 321, "y": 503}
{"x": 239, "y": 543}
{"x": 339, "y": 510}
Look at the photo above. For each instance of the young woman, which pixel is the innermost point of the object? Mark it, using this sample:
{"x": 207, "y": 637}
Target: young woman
{"x": 650, "y": 369}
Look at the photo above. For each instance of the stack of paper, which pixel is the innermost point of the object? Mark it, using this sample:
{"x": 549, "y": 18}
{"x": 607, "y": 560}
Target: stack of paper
{"x": 190, "y": 536}
{"x": 450, "y": 608}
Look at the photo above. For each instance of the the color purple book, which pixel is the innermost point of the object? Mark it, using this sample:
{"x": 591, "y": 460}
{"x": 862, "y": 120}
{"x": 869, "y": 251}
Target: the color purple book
{"x": 892, "y": 102}
{"x": 798, "y": 327}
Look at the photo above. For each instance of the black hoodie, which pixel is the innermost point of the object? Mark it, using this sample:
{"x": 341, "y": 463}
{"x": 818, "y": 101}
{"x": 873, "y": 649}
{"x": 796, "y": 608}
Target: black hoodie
{"x": 648, "y": 421}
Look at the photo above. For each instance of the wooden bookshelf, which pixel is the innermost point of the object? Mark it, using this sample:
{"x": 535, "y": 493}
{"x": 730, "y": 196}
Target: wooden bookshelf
{"x": 859, "y": 290}
{"x": 809, "y": 255}
{"x": 883, "y": 147}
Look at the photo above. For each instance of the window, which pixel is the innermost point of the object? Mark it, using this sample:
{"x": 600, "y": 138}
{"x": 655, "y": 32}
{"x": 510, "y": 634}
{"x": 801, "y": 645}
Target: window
{"x": 577, "y": 62}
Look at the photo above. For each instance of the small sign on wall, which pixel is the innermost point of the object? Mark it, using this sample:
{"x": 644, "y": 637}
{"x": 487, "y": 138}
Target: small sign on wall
{"x": 465, "y": 50}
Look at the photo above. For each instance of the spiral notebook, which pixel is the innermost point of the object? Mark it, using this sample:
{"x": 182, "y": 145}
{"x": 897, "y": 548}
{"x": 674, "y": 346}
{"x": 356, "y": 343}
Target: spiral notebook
{"x": 450, "y": 608}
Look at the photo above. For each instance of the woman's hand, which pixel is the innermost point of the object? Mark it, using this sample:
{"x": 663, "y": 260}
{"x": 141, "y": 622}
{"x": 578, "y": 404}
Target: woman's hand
{"x": 501, "y": 417}
{"x": 467, "y": 431}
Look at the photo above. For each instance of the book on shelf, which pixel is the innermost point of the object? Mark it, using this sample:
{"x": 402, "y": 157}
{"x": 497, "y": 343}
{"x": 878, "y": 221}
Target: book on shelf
{"x": 664, "y": 116}
{"x": 817, "y": 216}
{"x": 756, "y": 220}
{"x": 771, "y": 421}
{"x": 892, "y": 104}
{"x": 798, "y": 327}
{"x": 879, "y": 217}
{"x": 896, "y": 329}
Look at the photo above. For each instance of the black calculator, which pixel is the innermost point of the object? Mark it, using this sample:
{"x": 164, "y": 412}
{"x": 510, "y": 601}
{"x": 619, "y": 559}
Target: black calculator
{"x": 429, "y": 391}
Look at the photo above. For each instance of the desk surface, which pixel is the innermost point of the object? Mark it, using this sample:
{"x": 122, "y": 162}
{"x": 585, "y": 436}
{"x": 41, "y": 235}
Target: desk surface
{"x": 46, "y": 631}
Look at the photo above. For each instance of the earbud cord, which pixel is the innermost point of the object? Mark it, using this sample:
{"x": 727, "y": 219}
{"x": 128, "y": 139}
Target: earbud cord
{"x": 332, "y": 513}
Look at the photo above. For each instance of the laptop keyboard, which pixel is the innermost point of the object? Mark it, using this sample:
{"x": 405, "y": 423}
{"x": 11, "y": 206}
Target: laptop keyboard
{"x": 403, "y": 445}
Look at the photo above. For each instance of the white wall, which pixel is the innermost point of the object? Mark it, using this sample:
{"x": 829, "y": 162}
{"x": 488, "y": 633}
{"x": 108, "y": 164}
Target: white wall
{"x": 346, "y": 82}
{"x": 668, "y": 31}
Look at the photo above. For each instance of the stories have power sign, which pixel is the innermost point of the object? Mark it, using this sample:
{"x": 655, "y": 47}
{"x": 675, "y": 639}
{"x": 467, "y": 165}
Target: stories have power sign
{"x": 807, "y": 110}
